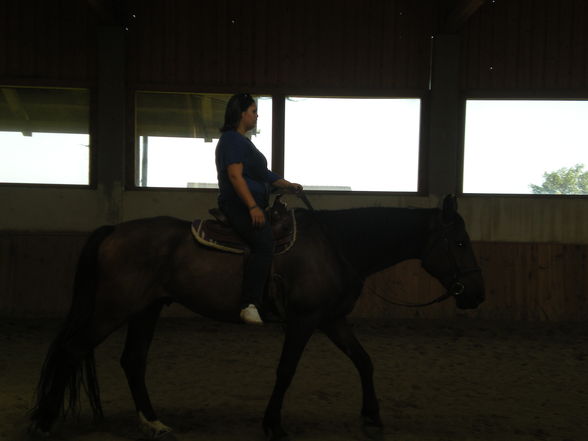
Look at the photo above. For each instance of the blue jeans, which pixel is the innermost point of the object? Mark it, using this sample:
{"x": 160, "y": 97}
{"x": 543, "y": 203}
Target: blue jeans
{"x": 258, "y": 263}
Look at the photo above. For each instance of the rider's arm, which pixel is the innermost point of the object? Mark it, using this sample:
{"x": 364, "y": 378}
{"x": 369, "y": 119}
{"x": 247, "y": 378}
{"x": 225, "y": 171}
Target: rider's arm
{"x": 287, "y": 185}
{"x": 235, "y": 172}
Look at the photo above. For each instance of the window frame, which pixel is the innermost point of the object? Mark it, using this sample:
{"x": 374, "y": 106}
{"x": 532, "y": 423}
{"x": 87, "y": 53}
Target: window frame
{"x": 508, "y": 96}
{"x": 278, "y": 135}
{"x": 131, "y": 158}
{"x": 92, "y": 156}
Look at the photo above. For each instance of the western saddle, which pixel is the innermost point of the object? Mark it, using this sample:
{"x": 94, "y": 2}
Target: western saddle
{"x": 217, "y": 233}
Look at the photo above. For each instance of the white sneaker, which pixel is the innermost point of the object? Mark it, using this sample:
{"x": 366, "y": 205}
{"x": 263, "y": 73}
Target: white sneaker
{"x": 250, "y": 315}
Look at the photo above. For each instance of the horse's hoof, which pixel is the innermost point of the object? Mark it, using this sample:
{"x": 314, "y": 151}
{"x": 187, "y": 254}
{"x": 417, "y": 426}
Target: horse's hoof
{"x": 155, "y": 430}
{"x": 372, "y": 428}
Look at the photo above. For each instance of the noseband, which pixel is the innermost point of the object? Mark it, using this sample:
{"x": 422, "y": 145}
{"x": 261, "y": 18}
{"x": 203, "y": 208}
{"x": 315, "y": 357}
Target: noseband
{"x": 455, "y": 287}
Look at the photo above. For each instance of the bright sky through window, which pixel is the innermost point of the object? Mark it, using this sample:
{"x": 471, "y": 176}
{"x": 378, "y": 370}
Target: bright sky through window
{"x": 189, "y": 162}
{"x": 510, "y": 144}
{"x": 44, "y": 136}
{"x": 357, "y": 144}
{"x": 353, "y": 143}
{"x": 44, "y": 158}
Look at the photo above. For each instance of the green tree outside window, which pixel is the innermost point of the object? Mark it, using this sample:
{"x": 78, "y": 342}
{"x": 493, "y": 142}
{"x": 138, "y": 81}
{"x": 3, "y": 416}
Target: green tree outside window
{"x": 573, "y": 180}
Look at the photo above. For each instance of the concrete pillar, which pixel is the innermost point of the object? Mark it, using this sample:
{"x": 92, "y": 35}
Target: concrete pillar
{"x": 110, "y": 120}
{"x": 444, "y": 149}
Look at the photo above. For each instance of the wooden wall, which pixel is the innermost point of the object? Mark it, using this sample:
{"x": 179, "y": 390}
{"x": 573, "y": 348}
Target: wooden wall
{"x": 49, "y": 41}
{"x": 535, "y": 282}
{"x": 527, "y": 46}
{"x": 539, "y": 282}
{"x": 521, "y": 45}
{"x": 282, "y": 45}
{"x": 37, "y": 272}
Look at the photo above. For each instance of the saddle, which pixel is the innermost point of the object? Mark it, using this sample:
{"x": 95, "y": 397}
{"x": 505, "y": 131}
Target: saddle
{"x": 218, "y": 234}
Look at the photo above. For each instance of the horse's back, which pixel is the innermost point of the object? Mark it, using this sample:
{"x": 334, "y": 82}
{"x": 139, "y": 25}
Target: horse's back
{"x": 157, "y": 223}
{"x": 134, "y": 260}
{"x": 158, "y": 259}
{"x": 149, "y": 233}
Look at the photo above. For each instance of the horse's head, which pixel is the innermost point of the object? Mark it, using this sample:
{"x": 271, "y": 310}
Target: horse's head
{"x": 449, "y": 257}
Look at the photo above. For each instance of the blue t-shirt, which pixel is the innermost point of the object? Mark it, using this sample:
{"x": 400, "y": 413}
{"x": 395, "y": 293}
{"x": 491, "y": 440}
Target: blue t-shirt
{"x": 234, "y": 148}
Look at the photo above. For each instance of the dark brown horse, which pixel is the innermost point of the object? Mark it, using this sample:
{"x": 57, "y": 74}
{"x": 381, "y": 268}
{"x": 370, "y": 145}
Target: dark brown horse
{"x": 127, "y": 272}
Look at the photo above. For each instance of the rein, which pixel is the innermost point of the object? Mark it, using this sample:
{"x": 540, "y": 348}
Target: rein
{"x": 457, "y": 288}
{"x": 303, "y": 198}
{"x": 300, "y": 195}
{"x": 439, "y": 299}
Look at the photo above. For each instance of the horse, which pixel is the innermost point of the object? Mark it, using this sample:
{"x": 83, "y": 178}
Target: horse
{"x": 127, "y": 272}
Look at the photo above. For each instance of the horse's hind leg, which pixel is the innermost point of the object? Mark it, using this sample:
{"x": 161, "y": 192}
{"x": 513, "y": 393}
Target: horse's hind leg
{"x": 341, "y": 334}
{"x": 134, "y": 362}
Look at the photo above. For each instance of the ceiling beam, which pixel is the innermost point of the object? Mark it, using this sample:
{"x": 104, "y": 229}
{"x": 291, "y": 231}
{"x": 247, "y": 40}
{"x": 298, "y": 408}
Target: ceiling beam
{"x": 102, "y": 10}
{"x": 110, "y": 12}
{"x": 461, "y": 13}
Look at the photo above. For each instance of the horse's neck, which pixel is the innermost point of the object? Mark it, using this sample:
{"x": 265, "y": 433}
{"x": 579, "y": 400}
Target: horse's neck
{"x": 372, "y": 239}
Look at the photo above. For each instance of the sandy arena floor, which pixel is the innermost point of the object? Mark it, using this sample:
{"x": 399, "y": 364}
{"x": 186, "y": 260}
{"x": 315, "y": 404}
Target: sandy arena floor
{"x": 437, "y": 381}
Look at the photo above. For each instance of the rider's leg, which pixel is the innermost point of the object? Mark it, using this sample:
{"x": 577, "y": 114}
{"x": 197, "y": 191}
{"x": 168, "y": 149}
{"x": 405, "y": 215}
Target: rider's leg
{"x": 258, "y": 263}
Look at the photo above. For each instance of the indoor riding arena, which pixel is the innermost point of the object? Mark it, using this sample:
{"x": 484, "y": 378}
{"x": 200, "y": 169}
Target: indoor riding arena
{"x": 110, "y": 112}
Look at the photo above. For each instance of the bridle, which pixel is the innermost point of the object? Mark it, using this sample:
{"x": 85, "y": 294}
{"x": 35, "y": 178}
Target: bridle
{"x": 455, "y": 287}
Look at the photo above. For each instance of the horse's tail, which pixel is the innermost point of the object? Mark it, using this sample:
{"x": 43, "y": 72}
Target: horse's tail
{"x": 69, "y": 364}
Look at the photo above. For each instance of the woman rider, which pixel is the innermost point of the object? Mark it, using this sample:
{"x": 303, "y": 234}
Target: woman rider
{"x": 244, "y": 182}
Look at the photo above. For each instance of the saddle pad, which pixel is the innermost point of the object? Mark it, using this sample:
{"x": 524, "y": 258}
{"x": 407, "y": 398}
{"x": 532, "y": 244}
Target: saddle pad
{"x": 214, "y": 234}
{"x": 224, "y": 240}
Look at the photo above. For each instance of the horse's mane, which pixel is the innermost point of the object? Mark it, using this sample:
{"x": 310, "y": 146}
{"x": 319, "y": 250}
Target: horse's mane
{"x": 373, "y": 238}
{"x": 394, "y": 217}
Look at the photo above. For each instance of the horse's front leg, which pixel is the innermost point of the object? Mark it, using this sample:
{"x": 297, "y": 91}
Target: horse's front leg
{"x": 298, "y": 333}
{"x": 342, "y": 336}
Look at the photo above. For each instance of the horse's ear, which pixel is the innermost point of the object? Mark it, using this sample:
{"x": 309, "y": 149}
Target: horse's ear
{"x": 449, "y": 208}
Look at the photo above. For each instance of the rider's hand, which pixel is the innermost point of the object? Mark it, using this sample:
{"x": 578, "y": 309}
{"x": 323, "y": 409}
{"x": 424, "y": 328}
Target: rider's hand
{"x": 257, "y": 216}
{"x": 296, "y": 188}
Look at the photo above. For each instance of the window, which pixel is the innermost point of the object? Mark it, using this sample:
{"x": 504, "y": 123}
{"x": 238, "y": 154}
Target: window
{"x": 44, "y": 136}
{"x": 352, "y": 144}
{"x": 176, "y": 135}
{"x": 526, "y": 147}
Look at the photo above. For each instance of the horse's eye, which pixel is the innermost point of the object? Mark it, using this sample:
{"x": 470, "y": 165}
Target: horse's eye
{"x": 460, "y": 244}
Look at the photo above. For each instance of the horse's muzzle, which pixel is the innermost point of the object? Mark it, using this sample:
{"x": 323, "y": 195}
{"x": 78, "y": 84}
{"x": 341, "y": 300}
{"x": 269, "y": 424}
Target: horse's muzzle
{"x": 468, "y": 294}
